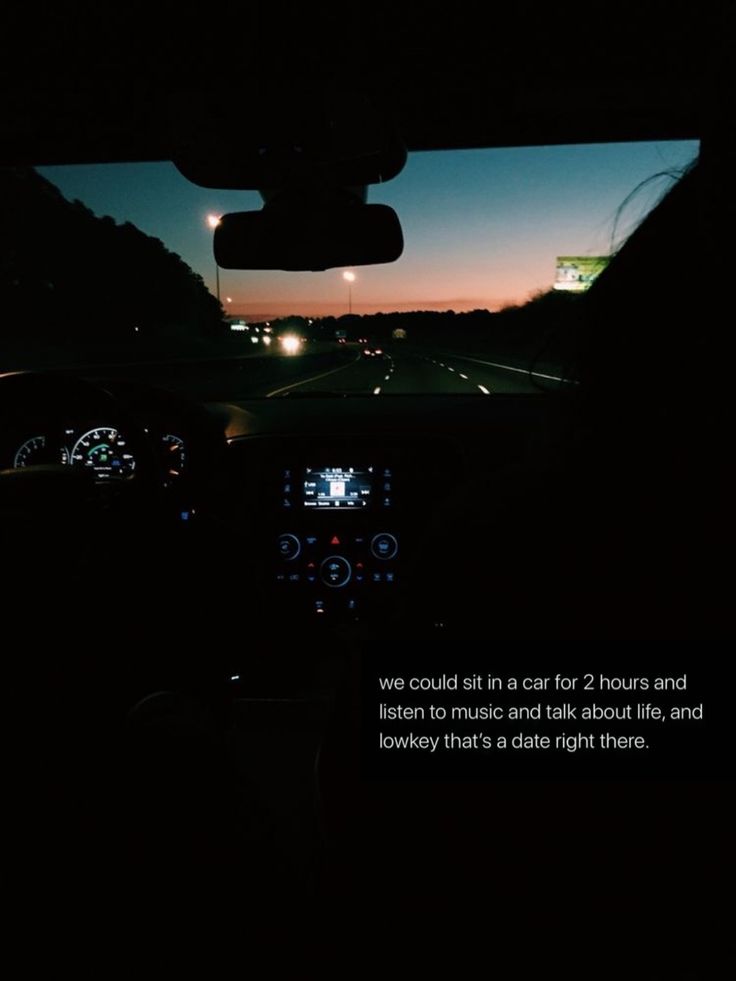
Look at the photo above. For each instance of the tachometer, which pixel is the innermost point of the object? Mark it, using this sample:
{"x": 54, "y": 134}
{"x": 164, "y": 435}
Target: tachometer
{"x": 104, "y": 450}
{"x": 174, "y": 454}
{"x": 37, "y": 450}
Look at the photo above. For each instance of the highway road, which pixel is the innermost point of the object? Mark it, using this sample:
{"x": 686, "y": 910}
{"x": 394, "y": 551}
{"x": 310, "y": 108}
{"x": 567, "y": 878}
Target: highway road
{"x": 337, "y": 370}
{"x": 406, "y": 372}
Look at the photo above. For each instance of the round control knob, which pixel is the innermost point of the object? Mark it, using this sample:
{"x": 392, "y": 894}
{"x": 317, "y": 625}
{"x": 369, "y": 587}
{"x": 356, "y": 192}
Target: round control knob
{"x": 384, "y": 546}
{"x": 335, "y": 571}
{"x": 289, "y": 547}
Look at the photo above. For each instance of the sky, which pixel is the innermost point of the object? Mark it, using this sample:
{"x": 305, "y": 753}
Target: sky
{"x": 482, "y": 228}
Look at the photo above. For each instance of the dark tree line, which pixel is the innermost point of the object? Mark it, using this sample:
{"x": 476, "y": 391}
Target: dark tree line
{"x": 545, "y": 329}
{"x": 65, "y": 273}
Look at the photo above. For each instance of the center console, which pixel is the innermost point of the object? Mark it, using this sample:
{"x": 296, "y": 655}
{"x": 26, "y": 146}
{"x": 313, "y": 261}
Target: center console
{"x": 337, "y": 528}
{"x": 338, "y": 548}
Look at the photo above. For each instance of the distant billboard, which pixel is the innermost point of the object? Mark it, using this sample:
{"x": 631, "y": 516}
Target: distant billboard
{"x": 575, "y": 273}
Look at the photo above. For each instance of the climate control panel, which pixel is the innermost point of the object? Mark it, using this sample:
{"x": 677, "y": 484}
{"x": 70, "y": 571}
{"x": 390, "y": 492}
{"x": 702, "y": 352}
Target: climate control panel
{"x": 337, "y": 560}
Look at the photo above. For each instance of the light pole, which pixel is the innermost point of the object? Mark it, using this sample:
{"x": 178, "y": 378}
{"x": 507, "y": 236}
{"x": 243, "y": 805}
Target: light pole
{"x": 349, "y": 278}
{"x": 213, "y": 221}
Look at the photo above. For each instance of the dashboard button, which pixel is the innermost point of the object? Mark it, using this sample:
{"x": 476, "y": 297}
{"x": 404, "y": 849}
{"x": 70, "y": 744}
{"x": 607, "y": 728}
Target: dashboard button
{"x": 384, "y": 546}
{"x": 289, "y": 547}
{"x": 335, "y": 571}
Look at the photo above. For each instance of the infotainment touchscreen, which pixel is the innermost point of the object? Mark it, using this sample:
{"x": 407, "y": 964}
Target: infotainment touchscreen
{"x": 335, "y": 488}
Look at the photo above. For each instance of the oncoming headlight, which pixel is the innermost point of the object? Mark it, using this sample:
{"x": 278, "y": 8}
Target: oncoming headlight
{"x": 290, "y": 344}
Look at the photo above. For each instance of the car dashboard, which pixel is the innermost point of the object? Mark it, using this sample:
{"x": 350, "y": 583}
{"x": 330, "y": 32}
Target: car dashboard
{"x": 319, "y": 510}
{"x": 348, "y": 503}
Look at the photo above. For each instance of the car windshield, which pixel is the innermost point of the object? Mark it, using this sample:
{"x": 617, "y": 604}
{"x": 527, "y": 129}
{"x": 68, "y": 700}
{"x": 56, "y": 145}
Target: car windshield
{"x": 108, "y": 269}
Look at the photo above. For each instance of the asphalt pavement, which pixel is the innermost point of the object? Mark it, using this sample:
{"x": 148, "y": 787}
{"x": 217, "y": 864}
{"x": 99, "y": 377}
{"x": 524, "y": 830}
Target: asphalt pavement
{"x": 340, "y": 370}
{"x": 411, "y": 372}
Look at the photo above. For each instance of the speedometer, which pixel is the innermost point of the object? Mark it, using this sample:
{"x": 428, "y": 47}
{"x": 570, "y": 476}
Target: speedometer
{"x": 105, "y": 451}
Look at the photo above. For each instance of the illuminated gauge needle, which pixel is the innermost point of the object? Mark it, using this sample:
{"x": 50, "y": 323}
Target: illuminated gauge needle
{"x": 104, "y": 451}
{"x": 174, "y": 454}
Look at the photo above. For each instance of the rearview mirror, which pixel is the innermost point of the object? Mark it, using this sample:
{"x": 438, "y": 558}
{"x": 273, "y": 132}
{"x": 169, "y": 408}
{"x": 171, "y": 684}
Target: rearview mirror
{"x": 308, "y": 238}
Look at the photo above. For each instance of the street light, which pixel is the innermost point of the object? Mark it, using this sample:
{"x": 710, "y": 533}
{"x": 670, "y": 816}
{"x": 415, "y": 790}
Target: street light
{"x": 349, "y": 278}
{"x": 213, "y": 221}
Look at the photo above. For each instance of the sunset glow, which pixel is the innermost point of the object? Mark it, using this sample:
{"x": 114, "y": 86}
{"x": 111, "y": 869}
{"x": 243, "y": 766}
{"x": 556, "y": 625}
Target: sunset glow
{"x": 482, "y": 228}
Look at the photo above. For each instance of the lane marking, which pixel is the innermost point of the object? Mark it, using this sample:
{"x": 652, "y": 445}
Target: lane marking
{"x": 484, "y": 389}
{"x": 377, "y": 390}
{"x": 519, "y": 371}
{"x": 449, "y": 368}
{"x": 463, "y": 376}
{"x": 387, "y": 377}
{"x": 306, "y": 381}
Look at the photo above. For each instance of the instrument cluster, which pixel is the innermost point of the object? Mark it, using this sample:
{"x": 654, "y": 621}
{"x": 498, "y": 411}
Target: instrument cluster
{"x": 104, "y": 450}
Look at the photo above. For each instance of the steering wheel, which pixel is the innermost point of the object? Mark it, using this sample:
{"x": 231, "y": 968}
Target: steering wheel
{"x": 68, "y": 528}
